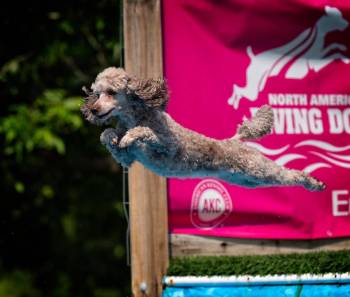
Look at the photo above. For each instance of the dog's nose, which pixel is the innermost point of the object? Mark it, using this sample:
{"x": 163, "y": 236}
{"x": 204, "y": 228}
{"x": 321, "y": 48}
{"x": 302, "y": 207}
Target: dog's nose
{"x": 94, "y": 111}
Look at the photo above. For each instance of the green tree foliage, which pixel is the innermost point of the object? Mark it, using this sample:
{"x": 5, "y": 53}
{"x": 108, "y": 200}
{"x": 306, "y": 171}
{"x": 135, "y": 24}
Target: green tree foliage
{"x": 62, "y": 227}
{"x": 39, "y": 126}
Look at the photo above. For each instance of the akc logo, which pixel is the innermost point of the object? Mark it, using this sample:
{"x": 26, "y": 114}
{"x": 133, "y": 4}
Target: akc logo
{"x": 211, "y": 204}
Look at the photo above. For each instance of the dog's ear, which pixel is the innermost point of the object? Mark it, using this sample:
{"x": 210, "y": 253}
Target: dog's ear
{"x": 332, "y": 11}
{"x": 153, "y": 92}
{"x": 87, "y": 92}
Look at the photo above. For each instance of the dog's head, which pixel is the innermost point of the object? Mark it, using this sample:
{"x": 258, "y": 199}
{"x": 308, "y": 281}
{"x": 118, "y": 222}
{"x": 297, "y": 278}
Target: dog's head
{"x": 334, "y": 19}
{"x": 113, "y": 92}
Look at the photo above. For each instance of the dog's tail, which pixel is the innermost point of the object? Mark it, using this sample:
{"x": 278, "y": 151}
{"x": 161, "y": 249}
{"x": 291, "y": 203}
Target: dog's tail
{"x": 258, "y": 126}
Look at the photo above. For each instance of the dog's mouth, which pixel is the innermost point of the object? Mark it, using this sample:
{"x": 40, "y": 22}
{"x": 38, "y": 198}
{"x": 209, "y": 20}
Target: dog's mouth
{"x": 106, "y": 114}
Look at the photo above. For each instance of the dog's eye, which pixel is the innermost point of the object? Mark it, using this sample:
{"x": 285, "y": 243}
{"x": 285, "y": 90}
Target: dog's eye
{"x": 110, "y": 92}
{"x": 92, "y": 96}
{"x": 95, "y": 95}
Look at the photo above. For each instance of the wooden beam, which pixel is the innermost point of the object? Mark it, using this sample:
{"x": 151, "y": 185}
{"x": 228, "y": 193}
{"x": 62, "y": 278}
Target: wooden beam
{"x": 147, "y": 192}
{"x": 190, "y": 245}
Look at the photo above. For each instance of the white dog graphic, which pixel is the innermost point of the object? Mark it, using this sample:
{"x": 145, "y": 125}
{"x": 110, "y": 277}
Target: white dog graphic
{"x": 307, "y": 51}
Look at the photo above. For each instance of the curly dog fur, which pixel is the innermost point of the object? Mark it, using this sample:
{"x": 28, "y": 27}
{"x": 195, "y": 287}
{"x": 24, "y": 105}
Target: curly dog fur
{"x": 146, "y": 133}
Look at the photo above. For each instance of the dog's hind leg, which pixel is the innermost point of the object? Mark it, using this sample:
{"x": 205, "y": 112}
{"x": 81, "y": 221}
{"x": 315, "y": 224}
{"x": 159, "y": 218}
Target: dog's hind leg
{"x": 256, "y": 168}
{"x": 258, "y": 126}
{"x": 295, "y": 177}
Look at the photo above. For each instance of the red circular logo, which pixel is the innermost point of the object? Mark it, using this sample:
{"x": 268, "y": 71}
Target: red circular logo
{"x": 211, "y": 204}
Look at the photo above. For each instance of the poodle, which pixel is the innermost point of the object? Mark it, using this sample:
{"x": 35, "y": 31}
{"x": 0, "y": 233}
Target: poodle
{"x": 148, "y": 134}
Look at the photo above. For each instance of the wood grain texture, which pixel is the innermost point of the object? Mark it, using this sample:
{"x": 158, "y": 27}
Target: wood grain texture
{"x": 190, "y": 245}
{"x": 147, "y": 191}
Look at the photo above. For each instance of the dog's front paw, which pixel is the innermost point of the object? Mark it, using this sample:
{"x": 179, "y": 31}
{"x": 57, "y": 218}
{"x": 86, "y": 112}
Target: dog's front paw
{"x": 109, "y": 137}
{"x": 126, "y": 141}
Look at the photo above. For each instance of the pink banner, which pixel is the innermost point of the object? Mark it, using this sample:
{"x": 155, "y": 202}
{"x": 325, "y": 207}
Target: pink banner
{"x": 223, "y": 60}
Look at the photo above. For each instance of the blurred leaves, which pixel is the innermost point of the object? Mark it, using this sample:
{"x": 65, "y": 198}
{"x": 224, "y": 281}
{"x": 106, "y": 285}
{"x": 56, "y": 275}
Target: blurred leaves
{"x": 11, "y": 67}
{"x": 62, "y": 224}
{"x": 41, "y": 125}
{"x": 17, "y": 284}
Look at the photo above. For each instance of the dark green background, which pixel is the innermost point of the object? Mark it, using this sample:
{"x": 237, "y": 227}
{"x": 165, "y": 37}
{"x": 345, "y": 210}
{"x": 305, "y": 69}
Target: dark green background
{"x": 62, "y": 227}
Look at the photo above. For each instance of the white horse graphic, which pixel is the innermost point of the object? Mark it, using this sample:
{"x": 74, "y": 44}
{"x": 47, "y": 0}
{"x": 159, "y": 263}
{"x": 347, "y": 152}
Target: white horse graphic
{"x": 306, "y": 52}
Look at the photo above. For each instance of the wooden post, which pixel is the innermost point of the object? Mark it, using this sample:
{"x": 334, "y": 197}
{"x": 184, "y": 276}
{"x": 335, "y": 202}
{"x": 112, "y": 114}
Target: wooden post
{"x": 147, "y": 192}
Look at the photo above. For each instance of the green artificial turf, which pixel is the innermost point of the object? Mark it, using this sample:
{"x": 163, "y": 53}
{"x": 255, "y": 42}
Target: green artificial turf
{"x": 314, "y": 263}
